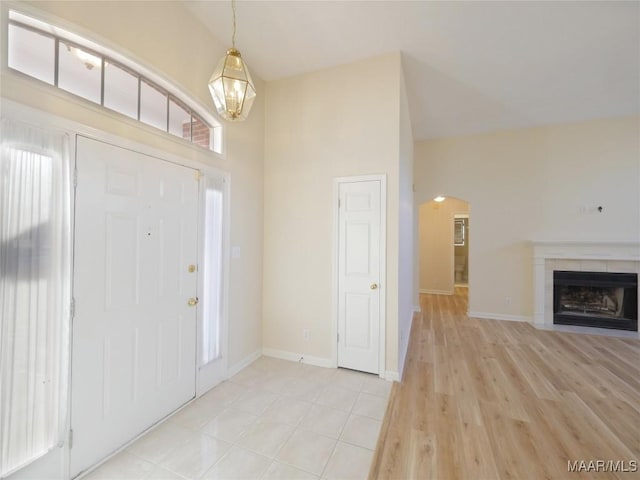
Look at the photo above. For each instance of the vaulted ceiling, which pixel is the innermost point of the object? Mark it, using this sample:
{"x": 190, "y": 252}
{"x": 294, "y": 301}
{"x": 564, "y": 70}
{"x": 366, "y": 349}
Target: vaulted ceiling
{"x": 470, "y": 67}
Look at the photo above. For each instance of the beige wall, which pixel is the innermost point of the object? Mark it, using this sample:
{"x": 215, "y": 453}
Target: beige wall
{"x": 436, "y": 244}
{"x": 342, "y": 121}
{"x": 158, "y": 38}
{"x": 534, "y": 184}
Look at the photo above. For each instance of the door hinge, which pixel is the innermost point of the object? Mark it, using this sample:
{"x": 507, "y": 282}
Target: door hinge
{"x": 339, "y": 203}
{"x": 72, "y": 308}
{"x": 198, "y": 175}
{"x": 338, "y": 338}
{"x": 71, "y": 438}
{"x": 75, "y": 178}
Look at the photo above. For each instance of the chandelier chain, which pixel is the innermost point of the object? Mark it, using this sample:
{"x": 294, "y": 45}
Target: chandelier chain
{"x": 233, "y": 35}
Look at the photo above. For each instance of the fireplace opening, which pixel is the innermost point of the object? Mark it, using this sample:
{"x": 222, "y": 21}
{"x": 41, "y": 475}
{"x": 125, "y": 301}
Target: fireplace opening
{"x": 596, "y": 299}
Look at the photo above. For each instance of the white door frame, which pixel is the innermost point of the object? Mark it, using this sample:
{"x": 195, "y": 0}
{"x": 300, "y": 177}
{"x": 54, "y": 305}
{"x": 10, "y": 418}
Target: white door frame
{"x": 205, "y": 171}
{"x": 382, "y": 178}
{"x": 205, "y": 384}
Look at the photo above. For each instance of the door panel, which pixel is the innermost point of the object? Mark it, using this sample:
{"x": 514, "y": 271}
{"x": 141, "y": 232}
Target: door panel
{"x": 359, "y": 257}
{"x": 134, "y": 335}
{"x": 357, "y": 314}
{"x": 357, "y": 244}
{"x": 122, "y": 261}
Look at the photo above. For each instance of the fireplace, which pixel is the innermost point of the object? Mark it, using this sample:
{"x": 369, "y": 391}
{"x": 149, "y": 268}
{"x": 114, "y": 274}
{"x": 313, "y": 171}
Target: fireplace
{"x": 596, "y": 299}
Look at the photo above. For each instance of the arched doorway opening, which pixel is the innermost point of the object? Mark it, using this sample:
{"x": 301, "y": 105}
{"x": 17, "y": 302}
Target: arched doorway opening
{"x": 444, "y": 237}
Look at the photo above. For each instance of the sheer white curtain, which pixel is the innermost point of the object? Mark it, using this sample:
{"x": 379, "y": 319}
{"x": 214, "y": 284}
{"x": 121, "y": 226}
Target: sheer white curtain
{"x": 212, "y": 301}
{"x": 35, "y": 292}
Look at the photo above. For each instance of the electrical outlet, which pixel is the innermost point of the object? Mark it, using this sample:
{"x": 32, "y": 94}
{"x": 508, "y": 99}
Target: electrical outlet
{"x": 305, "y": 334}
{"x": 507, "y": 300}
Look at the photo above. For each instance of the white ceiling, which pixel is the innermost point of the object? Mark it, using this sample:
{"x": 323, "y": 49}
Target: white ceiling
{"x": 470, "y": 67}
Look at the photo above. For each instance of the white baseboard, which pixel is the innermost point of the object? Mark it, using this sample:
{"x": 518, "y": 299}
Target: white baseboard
{"x": 436, "y": 292}
{"x": 391, "y": 376}
{"x": 295, "y": 357}
{"x": 607, "y": 332}
{"x": 499, "y": 316}
{"x": 244, "y": 363}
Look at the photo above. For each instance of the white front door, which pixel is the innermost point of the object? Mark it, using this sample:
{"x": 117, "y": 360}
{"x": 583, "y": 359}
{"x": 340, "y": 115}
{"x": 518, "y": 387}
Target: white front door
{"x": 359, "y": 267}
{"x": 134, "y": 332}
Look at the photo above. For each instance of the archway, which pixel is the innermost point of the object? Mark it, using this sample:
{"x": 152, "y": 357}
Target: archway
{"x": 443, "y": 245}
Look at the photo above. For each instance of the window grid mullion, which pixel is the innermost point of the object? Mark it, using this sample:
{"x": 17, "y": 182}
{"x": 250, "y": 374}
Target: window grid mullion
{"x": 103, "y": 61}
{"x": 168, "y": 100}
{"x": 56, "y": 62}
{"x": 139, "y": 96}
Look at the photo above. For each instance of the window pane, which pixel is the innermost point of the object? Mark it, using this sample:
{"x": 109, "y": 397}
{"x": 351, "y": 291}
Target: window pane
{"x": 153, "y": 106}
{"x": 201, "y": 133}
{"x": 79, "y": 72}
{"x": 77, "y": 67}
{"x": 120, "y": 90}
{"x": 31, "y": 53}
{"x": 212, "y": 302}
{"x": 179, "y": 120}
{"x": 35, "y": 268}
{"x": 216, "y": 139}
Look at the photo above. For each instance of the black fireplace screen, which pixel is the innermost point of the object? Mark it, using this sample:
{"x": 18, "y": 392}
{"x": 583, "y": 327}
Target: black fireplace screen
{"x": 596, "y": 299}
{"x": 599, "y": 301}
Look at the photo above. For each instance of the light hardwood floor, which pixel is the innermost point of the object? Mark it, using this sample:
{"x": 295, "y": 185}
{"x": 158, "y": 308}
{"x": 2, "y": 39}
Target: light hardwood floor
{"x": 489, "y": 399}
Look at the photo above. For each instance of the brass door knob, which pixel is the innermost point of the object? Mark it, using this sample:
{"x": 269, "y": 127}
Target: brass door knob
{"x": 373, "y": 286}
{"x": 192, "y": 302}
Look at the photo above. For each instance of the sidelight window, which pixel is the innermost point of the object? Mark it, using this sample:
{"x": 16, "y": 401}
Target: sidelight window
{"x": 35, "y": 292}
{"x": 213, "y": 273}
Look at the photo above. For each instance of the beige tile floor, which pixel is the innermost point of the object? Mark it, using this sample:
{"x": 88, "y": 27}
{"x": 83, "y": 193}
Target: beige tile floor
{"x": 273, "y": 420}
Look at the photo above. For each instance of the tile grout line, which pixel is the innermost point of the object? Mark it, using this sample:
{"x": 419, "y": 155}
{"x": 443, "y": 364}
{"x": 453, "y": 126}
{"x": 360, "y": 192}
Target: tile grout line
{"x": 325, "y": 382}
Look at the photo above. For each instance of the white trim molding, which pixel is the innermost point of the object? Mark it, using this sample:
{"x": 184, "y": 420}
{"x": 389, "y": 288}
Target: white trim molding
{"x": 436, "y": 292}
{"x": 499, "y": 316}
{"x": 623, "y": 251}
{"x": 244, "y": 363}
{"x": 392, "y": 376}
{"x": 299, "y": 357}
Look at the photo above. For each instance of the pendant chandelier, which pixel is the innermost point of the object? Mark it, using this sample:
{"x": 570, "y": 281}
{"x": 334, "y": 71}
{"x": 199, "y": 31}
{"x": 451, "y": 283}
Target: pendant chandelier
{"x": 230, "y": 85}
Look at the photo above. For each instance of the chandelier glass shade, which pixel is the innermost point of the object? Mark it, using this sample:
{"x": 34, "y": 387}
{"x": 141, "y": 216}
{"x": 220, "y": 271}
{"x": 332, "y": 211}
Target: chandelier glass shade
{"x": 231, "y": 87}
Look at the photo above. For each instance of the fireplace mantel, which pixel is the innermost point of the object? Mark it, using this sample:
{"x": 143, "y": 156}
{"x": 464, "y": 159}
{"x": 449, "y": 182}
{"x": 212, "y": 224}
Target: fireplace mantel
{"x": 624, "y": 251}
{"x": 548, "y": 256}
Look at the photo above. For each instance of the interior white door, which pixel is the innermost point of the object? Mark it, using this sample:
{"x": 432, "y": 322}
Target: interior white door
{"x": 359, "y": 260}
{"x": 134, "y": 332}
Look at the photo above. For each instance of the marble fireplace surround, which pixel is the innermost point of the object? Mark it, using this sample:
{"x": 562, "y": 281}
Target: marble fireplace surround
{"x": 621, "y": 257}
